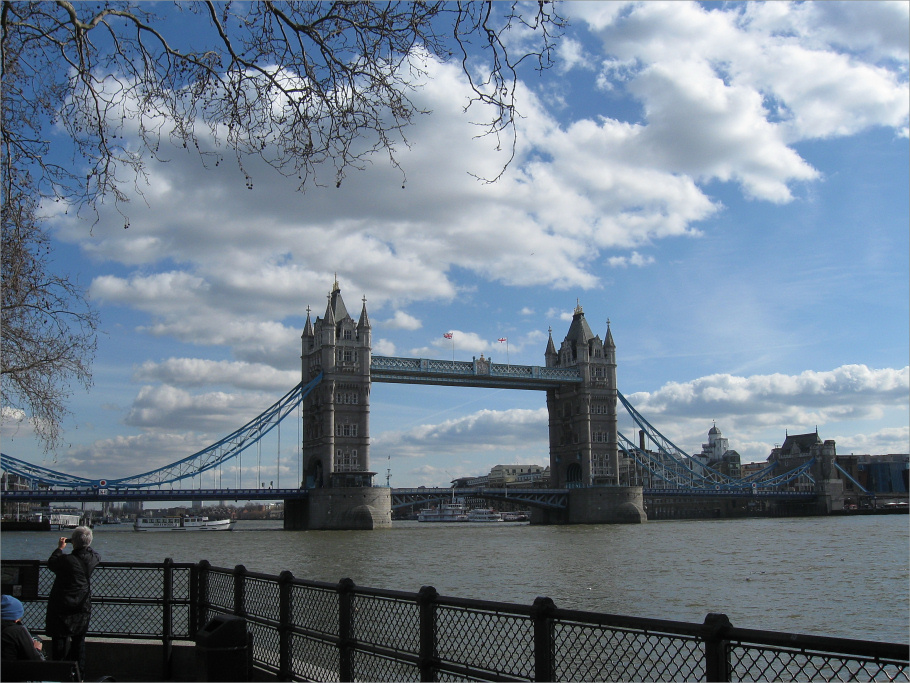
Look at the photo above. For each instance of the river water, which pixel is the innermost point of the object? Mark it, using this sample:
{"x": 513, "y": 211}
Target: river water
{"x": 841, "y": 576}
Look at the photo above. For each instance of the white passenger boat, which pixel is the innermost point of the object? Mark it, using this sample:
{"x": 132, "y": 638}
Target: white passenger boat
{"x": 516, "y": 516}
{"x": 484, "y": 515}
{"x": 182, "y": 523}
{"x": 448, "y": 512}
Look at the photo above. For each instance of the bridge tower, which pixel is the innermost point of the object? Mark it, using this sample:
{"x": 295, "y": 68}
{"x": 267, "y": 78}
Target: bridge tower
{"x": 584, "y": 452}
{"x": 336, "y": 425}
{"x": 583, "y": 442}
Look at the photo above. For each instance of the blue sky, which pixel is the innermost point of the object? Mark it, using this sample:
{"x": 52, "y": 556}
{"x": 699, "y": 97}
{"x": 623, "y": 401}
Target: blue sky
{"x": 726, "y": 183}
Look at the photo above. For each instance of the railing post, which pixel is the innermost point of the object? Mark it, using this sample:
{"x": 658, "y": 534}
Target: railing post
{"x": 544, "y": 646}
{"x": 199, "y": 596}
{"x": 428, "y": 656}
{"x": 240, "y": 590}
{"x": 167, "y": 615}
{"x": 285, "y": 609}
{"x": 346, "y": 644}
{"x": 717, "y": 661}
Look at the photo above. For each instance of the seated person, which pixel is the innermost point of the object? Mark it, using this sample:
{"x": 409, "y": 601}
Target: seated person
{"x": 16, "y": 643}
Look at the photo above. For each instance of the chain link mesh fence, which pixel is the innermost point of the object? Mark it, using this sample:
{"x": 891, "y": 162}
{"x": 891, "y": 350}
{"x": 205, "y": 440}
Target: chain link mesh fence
{"x": 307, "y": 630}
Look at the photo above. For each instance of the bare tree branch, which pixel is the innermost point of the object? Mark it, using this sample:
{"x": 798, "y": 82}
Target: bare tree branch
{"x": 302, "y": 85}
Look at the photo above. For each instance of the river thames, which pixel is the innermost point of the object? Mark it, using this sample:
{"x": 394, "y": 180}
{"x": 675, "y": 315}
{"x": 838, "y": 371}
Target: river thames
{"x": 840, "y": 576}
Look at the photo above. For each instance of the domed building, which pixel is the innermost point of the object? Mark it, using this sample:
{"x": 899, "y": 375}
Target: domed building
{"x": 717, "y": 455}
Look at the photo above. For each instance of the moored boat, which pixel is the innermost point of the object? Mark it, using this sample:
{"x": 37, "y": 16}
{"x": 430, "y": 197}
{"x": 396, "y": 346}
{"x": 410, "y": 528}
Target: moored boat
{"x": 182, "y": 523}
{"x": 449, "y": 512}
{"x": 515, "y": 516}
{"x": 484, "y": 515}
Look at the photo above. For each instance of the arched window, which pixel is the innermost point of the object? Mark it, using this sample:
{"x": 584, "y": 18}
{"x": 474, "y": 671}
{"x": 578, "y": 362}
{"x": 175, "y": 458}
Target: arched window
{"x": 573, "y": 475}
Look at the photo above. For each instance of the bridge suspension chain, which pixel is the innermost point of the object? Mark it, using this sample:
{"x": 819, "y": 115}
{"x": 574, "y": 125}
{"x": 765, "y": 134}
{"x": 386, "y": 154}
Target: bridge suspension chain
{"x": 675, "y": 468}
{"x": 39, "y": 474}
{"x": 226, "y": 448}
{"x": 208, "y": 458}
{"x": 671, "y": 463}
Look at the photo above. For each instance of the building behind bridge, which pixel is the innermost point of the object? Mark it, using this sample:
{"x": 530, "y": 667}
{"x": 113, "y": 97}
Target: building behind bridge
{"x": 508, "y": 476}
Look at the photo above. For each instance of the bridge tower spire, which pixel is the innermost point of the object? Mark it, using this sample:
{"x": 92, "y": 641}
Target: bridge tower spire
{"x": 336, "y": 423}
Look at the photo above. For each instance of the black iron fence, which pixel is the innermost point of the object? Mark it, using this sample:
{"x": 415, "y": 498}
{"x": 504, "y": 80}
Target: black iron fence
{"x": 311, "y": 630}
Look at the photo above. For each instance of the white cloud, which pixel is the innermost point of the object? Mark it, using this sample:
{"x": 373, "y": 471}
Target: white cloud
{"x": 725, "y": 91}
{"x": 167, "y": 408}
{"x": 572, "y": 55}
{"x": 402, "y": 321}
{"x": 383, "y": 347}
{"x": 759, "y": 409}
{"x": 197, "y": 372}
{"x": 634, "y": 259}
{"x": 833, "y": 390}
{"x": 496, "y": 431}
{"x": 463, "y": 342}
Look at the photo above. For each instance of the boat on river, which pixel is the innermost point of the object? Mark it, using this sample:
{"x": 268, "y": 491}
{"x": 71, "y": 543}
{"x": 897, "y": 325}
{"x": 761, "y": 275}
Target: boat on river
{"x": 182, "y": 523}
{"x": 447, "y": 512}
{"x": 484, "y": 515}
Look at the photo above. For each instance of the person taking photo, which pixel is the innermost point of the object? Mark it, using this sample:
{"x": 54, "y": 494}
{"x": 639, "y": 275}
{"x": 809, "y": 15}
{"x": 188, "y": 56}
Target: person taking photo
{"x": 69, "y": 606}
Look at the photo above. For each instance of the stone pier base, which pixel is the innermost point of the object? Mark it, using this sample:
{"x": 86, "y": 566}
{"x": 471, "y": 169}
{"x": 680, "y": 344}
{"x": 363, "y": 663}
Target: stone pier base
{"x": 597, "y": 505}
{"x": 340, "y": 509}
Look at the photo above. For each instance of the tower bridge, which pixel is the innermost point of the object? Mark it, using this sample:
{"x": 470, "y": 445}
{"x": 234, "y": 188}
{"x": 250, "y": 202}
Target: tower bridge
{"x": 597, "y": 475}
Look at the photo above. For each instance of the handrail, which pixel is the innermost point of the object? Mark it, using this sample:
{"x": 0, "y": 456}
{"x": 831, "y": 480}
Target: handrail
{"x": 438, "y": 636}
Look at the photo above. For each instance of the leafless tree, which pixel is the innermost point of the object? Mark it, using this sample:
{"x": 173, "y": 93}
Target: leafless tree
{"x": 49, "y": 330}
{"x": 302, "y": 85}
{"x": 299, "y": 84}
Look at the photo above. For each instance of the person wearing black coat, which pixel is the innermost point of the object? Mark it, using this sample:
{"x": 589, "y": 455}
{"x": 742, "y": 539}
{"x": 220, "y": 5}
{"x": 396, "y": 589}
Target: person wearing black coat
{"x": 69, "y": 605}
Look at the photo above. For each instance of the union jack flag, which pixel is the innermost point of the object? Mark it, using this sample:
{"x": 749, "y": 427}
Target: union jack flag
{"x": 447, "y": 335}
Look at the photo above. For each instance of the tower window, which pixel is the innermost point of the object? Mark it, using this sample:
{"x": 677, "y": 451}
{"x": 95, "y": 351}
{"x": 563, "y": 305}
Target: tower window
{"x": 345, "y": 430}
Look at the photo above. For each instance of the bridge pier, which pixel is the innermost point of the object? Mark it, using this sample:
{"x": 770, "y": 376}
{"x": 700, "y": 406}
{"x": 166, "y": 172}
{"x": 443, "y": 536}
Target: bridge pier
{"x": 361, "y": 508}
{"x": 597, "y": 505}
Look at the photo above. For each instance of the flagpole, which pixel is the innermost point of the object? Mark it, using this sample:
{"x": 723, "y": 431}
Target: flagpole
{"x": 451, "y": 335}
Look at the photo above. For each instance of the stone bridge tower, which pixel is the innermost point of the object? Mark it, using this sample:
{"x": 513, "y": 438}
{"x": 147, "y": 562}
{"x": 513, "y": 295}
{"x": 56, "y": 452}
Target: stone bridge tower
{"x": 336, "y": 424}
{"x": 584, "y": 452}
{"x": 583, "y": 442}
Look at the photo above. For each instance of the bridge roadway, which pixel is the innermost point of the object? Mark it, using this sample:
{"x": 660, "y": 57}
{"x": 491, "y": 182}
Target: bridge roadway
{"x": 150, "y": 495}
{"x": 474, "y": 373}
{"x": 556, "y": 499}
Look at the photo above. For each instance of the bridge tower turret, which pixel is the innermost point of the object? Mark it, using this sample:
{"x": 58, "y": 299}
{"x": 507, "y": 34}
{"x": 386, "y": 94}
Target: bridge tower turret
{"x": 336, "y": 424}
{"x": 583, "y": 441}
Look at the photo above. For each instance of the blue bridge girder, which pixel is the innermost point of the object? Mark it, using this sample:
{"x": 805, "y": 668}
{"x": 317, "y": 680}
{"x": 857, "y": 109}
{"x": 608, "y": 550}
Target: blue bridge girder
{"x": 554, "y": 499}
{"x": 93, "y": 494}
{"x": 469, "y": 373}
{"x": 729, "y": 493}
{"x": 206, "y": 459}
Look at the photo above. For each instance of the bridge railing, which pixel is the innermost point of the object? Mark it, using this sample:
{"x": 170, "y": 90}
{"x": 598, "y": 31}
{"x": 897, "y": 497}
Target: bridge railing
{"x": 310, "y": 630}
{"x": 427, "y": 366}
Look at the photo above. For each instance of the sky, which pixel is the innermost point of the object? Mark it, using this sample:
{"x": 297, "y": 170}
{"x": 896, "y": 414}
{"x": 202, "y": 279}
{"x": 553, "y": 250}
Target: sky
{"x": 727, "y": 184}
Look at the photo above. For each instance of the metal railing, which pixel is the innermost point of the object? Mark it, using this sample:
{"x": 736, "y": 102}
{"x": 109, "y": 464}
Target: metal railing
{"x": 311, "y": 630}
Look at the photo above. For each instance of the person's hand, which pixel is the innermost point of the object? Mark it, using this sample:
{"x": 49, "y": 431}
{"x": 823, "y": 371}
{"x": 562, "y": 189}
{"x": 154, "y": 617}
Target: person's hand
{"x": 62, "y": 542}
{"x": 38, "y": 645}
